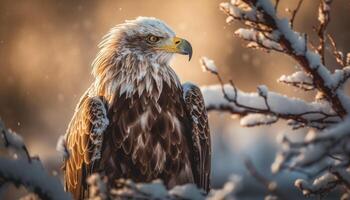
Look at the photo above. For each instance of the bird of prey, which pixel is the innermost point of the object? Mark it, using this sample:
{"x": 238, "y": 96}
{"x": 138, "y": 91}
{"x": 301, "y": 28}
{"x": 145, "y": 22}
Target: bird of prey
{"x": 136, "y": 120}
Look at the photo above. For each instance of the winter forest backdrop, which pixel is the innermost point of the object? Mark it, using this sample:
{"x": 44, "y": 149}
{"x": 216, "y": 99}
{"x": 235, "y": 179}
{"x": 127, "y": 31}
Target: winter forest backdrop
{"x": 46, "y": 48}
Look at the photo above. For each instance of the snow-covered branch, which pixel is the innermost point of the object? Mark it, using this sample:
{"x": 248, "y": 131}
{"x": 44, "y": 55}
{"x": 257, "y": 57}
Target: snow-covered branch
{"x": 324, "y": 18}
{"x": 266, "y": 107}
{"x": 323, "y": 154}
{"x": 342, "y": 59}
{"x": 316, "y": 114}
{"x": 298, "y": 79}
{"x": 271, "y": 186}
{"x": 273, "y": 33}
{"x": 19, "y": 168}
{"x": 328, "y": 147}
{"x": 127, "y": 189}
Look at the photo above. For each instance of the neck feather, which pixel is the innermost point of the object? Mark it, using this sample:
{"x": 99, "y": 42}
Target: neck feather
{"x": 130, "y": 75}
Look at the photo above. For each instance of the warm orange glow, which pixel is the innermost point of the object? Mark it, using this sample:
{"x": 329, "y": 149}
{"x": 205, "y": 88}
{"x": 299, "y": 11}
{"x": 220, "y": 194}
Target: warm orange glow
{"x": 46, "y": 49}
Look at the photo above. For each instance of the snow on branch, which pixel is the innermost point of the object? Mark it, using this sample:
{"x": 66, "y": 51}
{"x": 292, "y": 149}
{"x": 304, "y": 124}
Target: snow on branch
{"x": 322, "y": 185}
{"x": 279, "y": 36}
{"x": 269, "y": 105}
{"x": 12, "y": 141}
{"x": 258, "y": 119}
{"x": 271, "y": 186}
{"x": 258, "y": 40}
{"x": 127, "y": 189}
{"x": 19, "y": 168}
{"x": 208, "y": 65}
{"x": 315, "y": 114}
{"x": 33, "y": 177}
{"x": 342, "y": 59}
{"x": 324, "y": 19}
{"x": 329, "y": 147}
{"x": 323, "y": 154}
{"x": 298, "y": 79}
{"x": 61, "y": 147}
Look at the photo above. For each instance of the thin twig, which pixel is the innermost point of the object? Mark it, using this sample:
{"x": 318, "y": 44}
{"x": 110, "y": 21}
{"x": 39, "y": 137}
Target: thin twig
{"x": 339, "y": 56}
{"x": 294, "y": 13}
{"x": 276, "y": 5}
{"x": 324, "y": 19}
{"x": 270, "y": 186}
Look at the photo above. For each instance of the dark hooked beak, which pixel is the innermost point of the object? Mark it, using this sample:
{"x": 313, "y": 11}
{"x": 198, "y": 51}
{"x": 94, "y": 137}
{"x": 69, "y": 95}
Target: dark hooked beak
{"x": 179, "y": 45}
{"x": 185, "y": 48}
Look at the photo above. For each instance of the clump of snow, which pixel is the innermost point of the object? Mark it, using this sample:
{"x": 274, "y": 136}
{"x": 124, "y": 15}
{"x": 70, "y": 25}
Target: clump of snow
{"x": 323, "y": 182}
{"x": 297, "y": 77}
{"x": 13, "y": 142}
{"x": 229, "y": 19}
{"x": 188, "y": 191}
{"x": 26, "y": 171}
{"x": 208, "y": 65}
{"x": 34, "y": 178}
{"x": 309, "y": 154}
{"x": 311, "y": 135}
{"x": 156, "y": 188}
{"x": 62, "y": 148}
{"x": 257, "y": 119}
{"x": 97, "y": 187}
{"x": 228, "y": 190}
{"x": 338, "y": 131}
{"x": 278, "y": 163}
{"x": 257, "y": 38}
{"x": 10, "y": 138}
{"x": 298, "y": 42}
{"x": 271, "y": 197}
{"x": 233, "y": 10}
{"x": 127, "y": 189}
{"x": 300, "y": 183}
{"x": 263, "y": 90}
{"x": 248, "y": 34}
{"x": 325, "y": 179}
{"x": 340, "y": 76}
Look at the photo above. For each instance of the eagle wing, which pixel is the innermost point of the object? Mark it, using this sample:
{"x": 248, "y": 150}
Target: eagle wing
{"x": 83, "y": 141}
{"x": 197, "y": 113}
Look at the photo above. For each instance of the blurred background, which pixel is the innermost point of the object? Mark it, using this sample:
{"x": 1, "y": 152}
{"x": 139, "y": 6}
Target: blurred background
{"x": 46, "y": 50}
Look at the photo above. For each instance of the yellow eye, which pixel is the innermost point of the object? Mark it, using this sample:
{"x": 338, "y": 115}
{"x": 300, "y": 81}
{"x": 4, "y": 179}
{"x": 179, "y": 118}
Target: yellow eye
{"x": 153, "y": 39}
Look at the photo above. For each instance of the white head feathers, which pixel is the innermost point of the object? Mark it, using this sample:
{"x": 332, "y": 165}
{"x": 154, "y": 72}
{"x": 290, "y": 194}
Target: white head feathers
{"x": 128, "y": 64}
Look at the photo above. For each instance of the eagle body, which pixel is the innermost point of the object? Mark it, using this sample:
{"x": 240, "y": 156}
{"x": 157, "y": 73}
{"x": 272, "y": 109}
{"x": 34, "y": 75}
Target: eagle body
{"x": 136, "y": 120}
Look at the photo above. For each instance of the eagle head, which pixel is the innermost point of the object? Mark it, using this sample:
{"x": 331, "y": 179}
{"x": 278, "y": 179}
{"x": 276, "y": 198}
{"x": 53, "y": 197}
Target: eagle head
{"x": 152, "y": 37}
{"x": 144, "y": 38}
{"x": 135, "y": 51}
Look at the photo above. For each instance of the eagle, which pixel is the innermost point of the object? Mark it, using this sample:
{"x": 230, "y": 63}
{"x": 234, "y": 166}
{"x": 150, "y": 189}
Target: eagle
{"x": 136, "y": 120}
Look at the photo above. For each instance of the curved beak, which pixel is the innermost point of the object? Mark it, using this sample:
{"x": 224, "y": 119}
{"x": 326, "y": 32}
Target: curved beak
{"x": 179, "y": 45}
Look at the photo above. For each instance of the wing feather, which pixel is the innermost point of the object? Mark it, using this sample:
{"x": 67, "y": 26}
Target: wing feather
{"x": 83, "y": 141}
{"x": 197, "y": 113}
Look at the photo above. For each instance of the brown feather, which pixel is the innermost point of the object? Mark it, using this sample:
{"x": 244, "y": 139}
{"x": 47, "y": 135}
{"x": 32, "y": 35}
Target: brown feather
{"x": 79, "y": 143}
{"x": 200, "y": 135}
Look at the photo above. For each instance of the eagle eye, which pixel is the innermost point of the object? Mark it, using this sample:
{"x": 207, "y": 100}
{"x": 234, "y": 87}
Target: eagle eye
{"x": 153, "y": 39}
